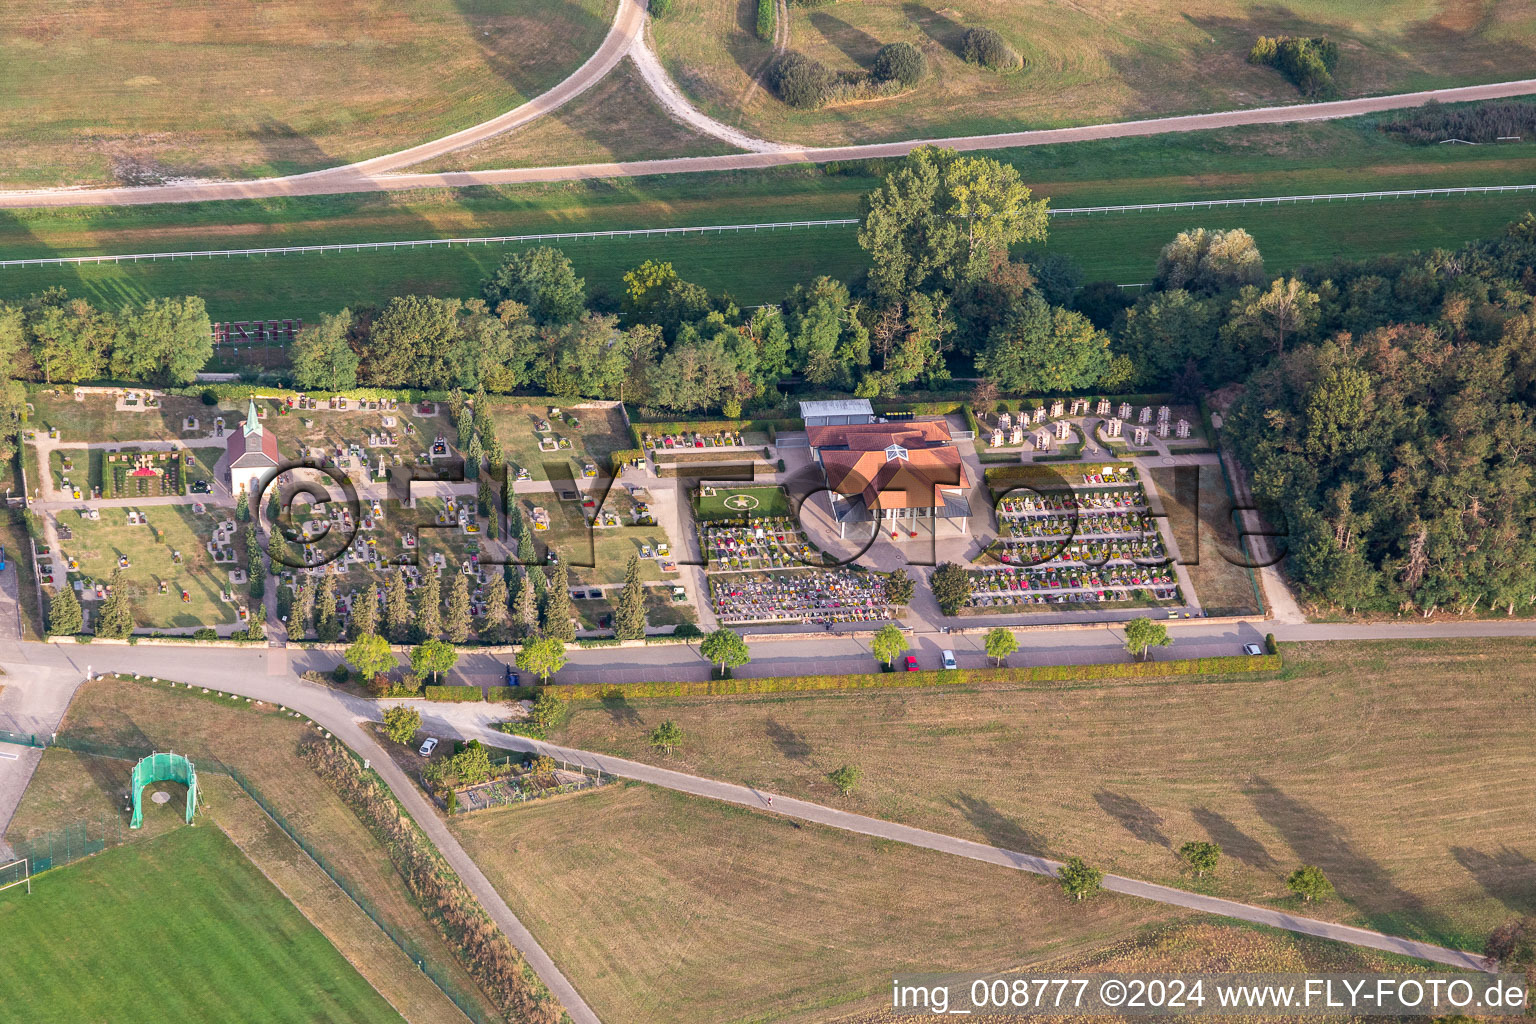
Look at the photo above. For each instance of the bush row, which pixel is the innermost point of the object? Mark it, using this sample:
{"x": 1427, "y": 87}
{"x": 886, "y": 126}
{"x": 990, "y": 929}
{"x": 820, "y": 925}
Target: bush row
{"x": 894, "y": 680}
{"x": 481, "y": 947}
{"x": 767, "y": 14}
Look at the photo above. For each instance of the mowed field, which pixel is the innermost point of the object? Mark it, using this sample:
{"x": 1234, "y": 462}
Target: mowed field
{"x": 760, "y": 267}
{"x": 262, "y": 743}
{"x": 181, "y": 927}
{"x": 96, "y": 91}
{"x": 1107, "y": 60}
{"x": 665, "y": 908}
{"x": 1399, "y": 769}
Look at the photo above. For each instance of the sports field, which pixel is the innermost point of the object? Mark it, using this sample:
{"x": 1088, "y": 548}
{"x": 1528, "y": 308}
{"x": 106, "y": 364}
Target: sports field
{"x": 1085, "y": 63}
{"x": 261, "y": 742}
{"x": 664, "y": 908}
{"x": 1399, "y": 769}
{"x": 181, "y": 927}
{"x": 101, "y": 92}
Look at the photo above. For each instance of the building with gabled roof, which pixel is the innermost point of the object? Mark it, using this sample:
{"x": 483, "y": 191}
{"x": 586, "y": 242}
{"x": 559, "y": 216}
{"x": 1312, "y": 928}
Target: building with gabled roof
{"x": 892, "y": 474}
{"x": 250, "y": 453}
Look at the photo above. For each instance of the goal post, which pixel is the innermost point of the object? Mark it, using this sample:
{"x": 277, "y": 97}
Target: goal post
{"x": 17, "y": 872}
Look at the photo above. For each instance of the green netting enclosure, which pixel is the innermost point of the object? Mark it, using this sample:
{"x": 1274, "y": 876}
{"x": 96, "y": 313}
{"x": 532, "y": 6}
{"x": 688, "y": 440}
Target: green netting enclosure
{"x": 162, "y": 768}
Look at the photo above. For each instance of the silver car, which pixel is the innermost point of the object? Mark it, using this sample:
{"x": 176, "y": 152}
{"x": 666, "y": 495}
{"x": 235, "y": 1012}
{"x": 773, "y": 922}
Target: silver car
{"x": 428, "y": 747}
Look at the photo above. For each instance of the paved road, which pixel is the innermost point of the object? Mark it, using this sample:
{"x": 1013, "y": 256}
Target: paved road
{"x": 267, "y": 675}
{"x": 372, "y": 179}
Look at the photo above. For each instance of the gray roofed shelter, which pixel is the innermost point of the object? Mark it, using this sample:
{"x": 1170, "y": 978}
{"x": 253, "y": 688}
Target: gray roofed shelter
{"x": 837, "y": 412}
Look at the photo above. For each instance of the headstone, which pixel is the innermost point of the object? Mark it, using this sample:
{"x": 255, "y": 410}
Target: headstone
{"x": 997, "y": 437}
{"x": 1063, "y": 430}
{"x": 1058, "y": 407}
{"x": 1146, "y": 414}
{"x": 1112, "y": 427}
{"x": 1004, "y": 421}
{"x": 1182, "y": 429}
{"x": 1125, "y": 410}
{"x": 1162, "y": 428}
{"x": 1140, "y": 436}
{"x": 1042, "y": 440}
{"x": 1039, "y": 414}
{"x": 1162, "y": 414}
{"x": 1103, "y": 407}
{"x": 1017, "y": 436}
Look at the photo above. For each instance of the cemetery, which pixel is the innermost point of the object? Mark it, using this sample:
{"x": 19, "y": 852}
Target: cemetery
{"x": 1053, "y": 429}
{"x": 184, "y": 565}
{"x": 532, "y": 435}
{"x": 595, "y": 543}
{"x": 805, "y": 595}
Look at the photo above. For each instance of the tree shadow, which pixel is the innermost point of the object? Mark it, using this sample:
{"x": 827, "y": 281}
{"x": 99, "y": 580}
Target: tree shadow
{"x": 1357, "y": 878}
{"x": 857, "y": 45}
{"x": 999, "y": 830}
{"x": 1507, "y": 875}
{"x": 943, "y": 30}
{"x": 1234, "y": 842}
{"x": 787, "y": 741}
{"x": 620, "y": 710}
{"x": 1134, "y": 816}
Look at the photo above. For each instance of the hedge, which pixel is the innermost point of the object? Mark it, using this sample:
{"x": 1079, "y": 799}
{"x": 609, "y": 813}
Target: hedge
{"x": 767, "y": 12}
{"x": 895, "y": 680}
{"x": 453, "y": 693}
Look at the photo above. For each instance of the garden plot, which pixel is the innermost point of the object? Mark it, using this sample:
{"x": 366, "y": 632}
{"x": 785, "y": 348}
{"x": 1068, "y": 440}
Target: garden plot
{"x": 801, "y": 595}
{"x": 533, "y": 436}
{"x": 176, "y": 560}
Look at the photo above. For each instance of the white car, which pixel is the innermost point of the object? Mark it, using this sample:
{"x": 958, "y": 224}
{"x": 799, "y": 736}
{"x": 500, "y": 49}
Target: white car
{"x": 428, "y": 747}
{"x": 949, "y": 660}
{"x": 1254, "y": 649}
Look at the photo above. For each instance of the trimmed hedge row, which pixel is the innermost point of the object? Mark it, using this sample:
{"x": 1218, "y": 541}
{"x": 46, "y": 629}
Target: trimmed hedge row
{"x": 452, "y": 693}
{"x": 902, "y": 680}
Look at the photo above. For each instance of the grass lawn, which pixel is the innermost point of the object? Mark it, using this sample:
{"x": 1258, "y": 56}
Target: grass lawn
{"x": 1396, "y": 768}
{"x": 599, "y": 430}
{"x": 228, "y": 89}
{"x": 660, "y": 608}
{"x": 617, "y": 119}
{"x": 736, "y": 502}
{"x": 182, "y": 927}
{"x": 262, "y": 743}
{"x": 669, "y": 908}
{"x": 1083, "y": 64}
{"x": 96, "y": 418}
{"x": 98, "y": 544}
{"x": 1200, "y": 515}
{"x": 1122, "y": 248}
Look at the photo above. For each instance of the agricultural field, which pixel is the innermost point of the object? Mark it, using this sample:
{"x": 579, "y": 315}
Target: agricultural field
{"x": 135, "y": 717}
{"x": 230, "y": 90}
{"x": 1124, "y": 774}
{"x": 618, "y": 119}
{"x": 784, "y": 920}
{"x": 182, "y": 923}
{"x": 155, "y": 575}
{"x": 1083, "y": 65}
{"x": 1195, "y": 947}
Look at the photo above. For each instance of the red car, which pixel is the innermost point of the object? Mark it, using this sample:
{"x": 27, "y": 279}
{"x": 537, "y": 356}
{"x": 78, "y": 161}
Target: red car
{"x": 911, "y": 663}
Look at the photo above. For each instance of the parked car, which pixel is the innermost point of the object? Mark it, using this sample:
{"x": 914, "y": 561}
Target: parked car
{"x": 949, "y": 660}
{"x": 1252, "y": 649}
{"x": 911, "y": 663}
{"x": 513, "y": 679}
{"x": 428, "y": 747}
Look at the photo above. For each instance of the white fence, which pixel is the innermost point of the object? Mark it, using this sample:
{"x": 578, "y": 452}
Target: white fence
{"x": 563, "y": 236}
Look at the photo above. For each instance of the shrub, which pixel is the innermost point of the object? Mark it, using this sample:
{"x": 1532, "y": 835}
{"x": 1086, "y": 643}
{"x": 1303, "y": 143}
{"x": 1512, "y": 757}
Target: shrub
{"x": 687, "y": 630}
{"x": 341, "y": 674}
{"x": 205, "y": 633}
{"x": 659, "y": 8}
{"x": 1309, "y": 63}
{"x": 767, "y": 14}
{"x": 900, "y": 62}
{"x": 210, "y": 397}
{"x": 801, "y": 81}
{"x": 988, "y": 48}
{"x": 1481, "y": 122}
